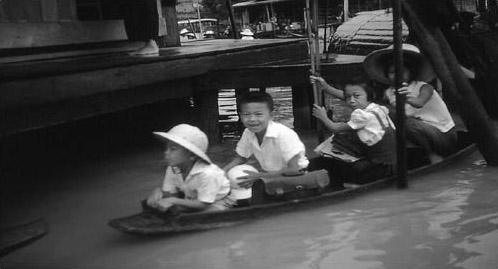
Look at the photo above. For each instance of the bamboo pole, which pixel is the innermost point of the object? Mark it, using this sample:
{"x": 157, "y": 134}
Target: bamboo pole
{"x": 457, "y": 87}
{"x": 316, "y": 43}
{"x": 312, "y": 41}
{"x": 400, "y": 99}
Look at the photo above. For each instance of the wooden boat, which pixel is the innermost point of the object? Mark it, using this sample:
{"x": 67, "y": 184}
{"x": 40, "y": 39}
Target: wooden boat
{"x": 151, "y": 223}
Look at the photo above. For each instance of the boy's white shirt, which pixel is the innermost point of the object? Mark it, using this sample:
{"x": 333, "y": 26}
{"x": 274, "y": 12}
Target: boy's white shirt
{"x": 368, "y": 127}
{"x": 280, "y": 144}
{"x": 205, "y": 182}
{"x": 434, "y": 112}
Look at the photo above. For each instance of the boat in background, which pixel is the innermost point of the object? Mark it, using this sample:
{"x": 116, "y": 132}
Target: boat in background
{"x": 15, "y": 237}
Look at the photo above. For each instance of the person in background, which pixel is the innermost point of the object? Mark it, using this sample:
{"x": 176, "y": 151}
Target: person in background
{"x": 429, "y": 123}
{"x": 141, "y": 19}
{"x": 247, "y": 34}
{"x": 192, "y": 182}
{"x": 372, "y": 127}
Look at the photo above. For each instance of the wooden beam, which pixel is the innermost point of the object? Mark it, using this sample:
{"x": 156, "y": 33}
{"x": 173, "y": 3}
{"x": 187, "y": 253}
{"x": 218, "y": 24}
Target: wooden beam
{"x": 128, "y": 72}
{"x": 34, "y": 34}
{"x": 52, "y": 113}
{"x": 172, "y": 34}
{"x": 274, "y": 76}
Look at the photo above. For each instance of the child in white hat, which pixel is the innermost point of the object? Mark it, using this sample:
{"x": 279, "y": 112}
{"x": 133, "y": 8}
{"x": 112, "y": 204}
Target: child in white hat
{"x": 192, "y": 182}
{"x": 247, "y": 34}
{"x": 429, "y": 123}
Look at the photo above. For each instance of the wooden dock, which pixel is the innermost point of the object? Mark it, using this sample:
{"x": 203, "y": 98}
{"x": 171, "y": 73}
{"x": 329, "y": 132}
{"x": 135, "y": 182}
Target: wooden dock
{"x": 41, "y": 91}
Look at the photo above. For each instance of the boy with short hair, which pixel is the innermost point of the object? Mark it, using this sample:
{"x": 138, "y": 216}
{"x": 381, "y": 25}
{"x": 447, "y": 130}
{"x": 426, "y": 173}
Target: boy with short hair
{"x": 277, "y": 148}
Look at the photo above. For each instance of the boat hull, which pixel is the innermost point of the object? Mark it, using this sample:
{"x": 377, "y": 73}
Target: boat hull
{"x": 151, "y": 224}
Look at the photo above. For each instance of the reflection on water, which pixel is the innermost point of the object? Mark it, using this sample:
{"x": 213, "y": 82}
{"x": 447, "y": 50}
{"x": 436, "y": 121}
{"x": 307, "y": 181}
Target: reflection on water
{"x": 448, "y": 219}
{"x": 445, "y": 220}
{"x": 282, "y": 97}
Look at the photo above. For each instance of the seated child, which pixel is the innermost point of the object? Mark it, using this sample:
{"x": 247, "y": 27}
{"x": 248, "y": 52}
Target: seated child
{"x": 428, "y": 121}
{"x": 192, "y": 182}
{"x": 276, "y": 147}
{"x": 373, "y": 127}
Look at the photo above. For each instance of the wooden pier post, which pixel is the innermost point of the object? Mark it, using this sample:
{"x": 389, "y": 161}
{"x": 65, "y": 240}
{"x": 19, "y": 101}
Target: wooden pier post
{"x": 206, "y": 114}
{"x": 168, "y": 12}
{"x": 301, "y": 107}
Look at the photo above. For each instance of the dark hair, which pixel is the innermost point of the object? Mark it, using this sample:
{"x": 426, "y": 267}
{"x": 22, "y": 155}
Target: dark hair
{"x": 365, "y": 84}
{"x": 255, "y": 97}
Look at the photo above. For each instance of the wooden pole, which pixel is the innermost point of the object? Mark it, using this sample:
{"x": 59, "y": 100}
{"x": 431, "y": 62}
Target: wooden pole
{"x": 232, "y": 20}
{"x": 325, "y": 28}
{"x": 345, "y": 10}
{"x": 316, "y": 30}
{"x": 313, "y": 51}
{"x": 400, "y": 99}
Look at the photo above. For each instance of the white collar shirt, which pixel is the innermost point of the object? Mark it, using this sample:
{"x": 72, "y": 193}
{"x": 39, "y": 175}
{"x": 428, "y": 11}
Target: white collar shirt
{"x": 205, "y": 182}
{"x": 366, "y": 124}
{"x": 280, "y": 144}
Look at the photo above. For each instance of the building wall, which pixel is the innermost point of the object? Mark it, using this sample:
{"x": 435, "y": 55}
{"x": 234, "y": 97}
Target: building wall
{"x": 40, "y": 23}
{"x": 185, "y": 9}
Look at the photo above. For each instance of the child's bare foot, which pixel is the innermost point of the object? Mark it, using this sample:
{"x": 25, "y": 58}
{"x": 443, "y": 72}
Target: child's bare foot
{"x": 150, "y": 48}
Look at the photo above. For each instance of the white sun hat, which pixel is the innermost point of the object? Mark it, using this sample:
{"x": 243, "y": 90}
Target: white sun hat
{"x": 239, "y": 193}
{"x": 247, "y": 32}
{"x": 189, "y": 137}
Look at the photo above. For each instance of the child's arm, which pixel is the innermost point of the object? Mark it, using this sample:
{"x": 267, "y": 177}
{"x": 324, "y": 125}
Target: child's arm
{"x": 419, "y": 101}
{"x": 156, "y": 195}
{"x": 336, "y": 127}
{"x": 326, "y": 87}
{"x": 292, "y": 168}
{"x": 166, "y": 203}
{"x": 423, "y": 97}
{"x": 237, "y": 160}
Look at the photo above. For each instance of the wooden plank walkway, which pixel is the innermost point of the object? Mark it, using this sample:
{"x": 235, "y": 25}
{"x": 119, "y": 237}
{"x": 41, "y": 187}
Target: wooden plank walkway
{"x": 41, "y": 91}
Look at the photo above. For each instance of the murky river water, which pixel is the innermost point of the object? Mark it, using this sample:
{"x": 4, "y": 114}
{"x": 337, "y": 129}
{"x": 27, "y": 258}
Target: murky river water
{"x": 448, "y": 219}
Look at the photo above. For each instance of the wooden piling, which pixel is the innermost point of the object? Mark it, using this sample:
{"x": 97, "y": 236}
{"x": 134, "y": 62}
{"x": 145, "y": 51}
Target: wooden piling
{"x": 206, "y": 114}
{"x": 301, "y": 107}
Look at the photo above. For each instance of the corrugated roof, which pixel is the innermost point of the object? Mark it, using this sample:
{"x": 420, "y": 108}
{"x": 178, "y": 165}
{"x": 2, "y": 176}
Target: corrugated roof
{"x": 364, "y": 33}
{"x": 258, "y": 2}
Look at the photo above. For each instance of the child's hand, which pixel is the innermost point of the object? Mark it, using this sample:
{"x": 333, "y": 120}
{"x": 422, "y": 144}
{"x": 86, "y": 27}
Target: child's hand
{"x": 249, "y": 179}
{"x": 403, "y": 90}
{"x": 317, "y": 79}
{"x": 319, "y": 112}
{"x": 155, "y": 196}
{"x": 164, "y": 204}
{"x": 247, "y": 183}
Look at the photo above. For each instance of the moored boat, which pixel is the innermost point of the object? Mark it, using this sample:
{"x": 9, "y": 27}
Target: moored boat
{"x": 146, "y": 223}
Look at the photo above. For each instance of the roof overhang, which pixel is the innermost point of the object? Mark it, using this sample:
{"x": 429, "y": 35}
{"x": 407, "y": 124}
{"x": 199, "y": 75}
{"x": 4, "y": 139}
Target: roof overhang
{"x": 258, "y": 2}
